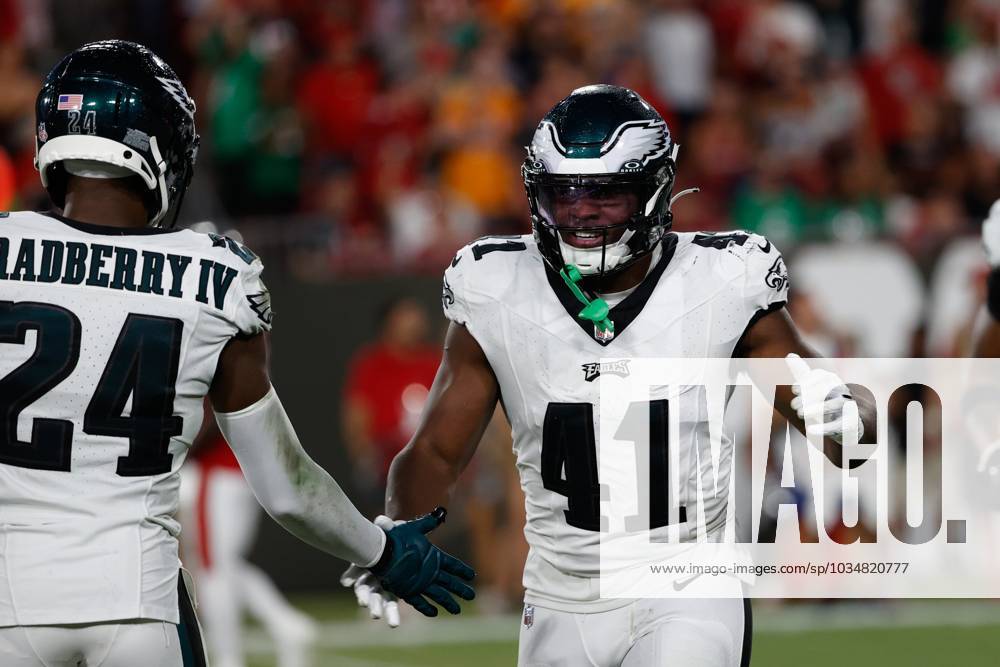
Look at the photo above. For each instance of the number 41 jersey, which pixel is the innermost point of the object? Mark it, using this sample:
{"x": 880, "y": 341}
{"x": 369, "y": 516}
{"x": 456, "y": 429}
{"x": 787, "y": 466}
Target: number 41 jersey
{"x": 701, "y": 293}
{"x": 109, "y": 340}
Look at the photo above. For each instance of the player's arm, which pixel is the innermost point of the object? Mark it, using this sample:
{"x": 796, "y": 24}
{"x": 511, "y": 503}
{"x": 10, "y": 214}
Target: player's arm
{"x": 294, "y": 490}
{"x": 774, "y": 336}
{"x": 209, "y": 429}
{"x": 305, "y": 500}
{"x": 458, "y": 409}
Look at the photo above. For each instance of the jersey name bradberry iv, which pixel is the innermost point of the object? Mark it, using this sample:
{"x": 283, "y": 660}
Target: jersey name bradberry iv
{"x": 109, "y": 340}
{"x": 700, "y": 295}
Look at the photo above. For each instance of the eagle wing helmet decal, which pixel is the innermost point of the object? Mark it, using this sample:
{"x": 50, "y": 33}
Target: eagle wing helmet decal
{"x": 629, "y": 148}
{"x": 636, "y": 142}
{"x": 546, "y": 143}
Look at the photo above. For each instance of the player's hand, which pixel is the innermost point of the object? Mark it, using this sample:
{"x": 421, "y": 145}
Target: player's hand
{"x": 820, "y": 399}
{"x": 991, "y": 235}
{"x": 414, "y": 569}
{"x": 371, "y": 595}
{"x": 367, "y": 589}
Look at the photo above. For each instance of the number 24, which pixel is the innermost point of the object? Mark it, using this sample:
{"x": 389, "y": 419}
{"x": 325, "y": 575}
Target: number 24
{"x": 143, "y": 365}
{"x": 89, "y": 122}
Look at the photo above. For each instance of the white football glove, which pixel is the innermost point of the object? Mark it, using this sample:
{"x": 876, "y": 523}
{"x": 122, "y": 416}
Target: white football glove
{"x": 820, "y": 400}
{"x": 368, "y": 590}
{"x": 991, "y": 235}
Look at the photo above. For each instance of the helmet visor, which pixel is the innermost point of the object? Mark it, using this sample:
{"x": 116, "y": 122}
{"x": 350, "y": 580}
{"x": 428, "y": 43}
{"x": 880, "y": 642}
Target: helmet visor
{"x": 589, "y": 215}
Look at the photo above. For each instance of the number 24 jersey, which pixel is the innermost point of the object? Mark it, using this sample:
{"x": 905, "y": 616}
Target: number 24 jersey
{"x": 109, "y": 340}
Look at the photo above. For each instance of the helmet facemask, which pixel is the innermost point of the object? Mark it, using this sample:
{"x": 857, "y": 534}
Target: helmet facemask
{"x": 600, "y": 223}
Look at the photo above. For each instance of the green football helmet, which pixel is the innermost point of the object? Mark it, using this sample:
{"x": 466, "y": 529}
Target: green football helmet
{"x": 599, "y": 176}
{"x": 115, "y": 107}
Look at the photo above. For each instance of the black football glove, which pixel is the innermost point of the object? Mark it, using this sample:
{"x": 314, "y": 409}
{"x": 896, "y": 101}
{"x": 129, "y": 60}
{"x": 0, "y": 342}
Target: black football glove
{"x": 414, "y": 569}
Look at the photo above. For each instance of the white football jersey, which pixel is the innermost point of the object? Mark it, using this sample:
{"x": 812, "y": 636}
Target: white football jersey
{"x": 700, "y": 295}
{"x": 109, "y": 340}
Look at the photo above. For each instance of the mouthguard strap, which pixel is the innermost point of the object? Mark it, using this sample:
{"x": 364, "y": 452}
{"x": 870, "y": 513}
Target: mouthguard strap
{"x": 596, "y": 310}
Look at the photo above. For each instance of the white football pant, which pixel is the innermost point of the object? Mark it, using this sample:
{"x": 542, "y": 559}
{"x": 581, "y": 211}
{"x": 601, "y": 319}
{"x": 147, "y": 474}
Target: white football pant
{"x": 667, "y": 632}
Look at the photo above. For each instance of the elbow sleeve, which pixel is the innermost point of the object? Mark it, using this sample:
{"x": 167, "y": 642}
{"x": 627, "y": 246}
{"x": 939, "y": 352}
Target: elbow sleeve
{"x": 257, "y": 435}
{"x": 294, "y": 489}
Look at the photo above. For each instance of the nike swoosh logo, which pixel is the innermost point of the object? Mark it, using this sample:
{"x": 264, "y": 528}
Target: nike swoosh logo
{"x": 454, "y": 262}
{"x": 766, "y": 248}
{"x": 684, "y": 583}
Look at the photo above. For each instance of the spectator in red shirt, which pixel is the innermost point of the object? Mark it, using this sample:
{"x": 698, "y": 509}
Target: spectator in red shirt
{"x": 8, "y": 182}
{"x": 896, "y": 79}
{"x": 385, "y": 392}
{"x": 336, "y": 94}
{"x": 9, "y": 20}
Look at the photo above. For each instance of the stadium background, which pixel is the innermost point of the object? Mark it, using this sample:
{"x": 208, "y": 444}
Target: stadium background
{"x": 356, "y": 145}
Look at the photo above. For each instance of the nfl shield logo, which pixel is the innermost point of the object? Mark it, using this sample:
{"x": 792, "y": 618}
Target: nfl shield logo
{"x": 602, "y": 335}
{"x": 529, "y": 615}
{"x": 43, "y": 135}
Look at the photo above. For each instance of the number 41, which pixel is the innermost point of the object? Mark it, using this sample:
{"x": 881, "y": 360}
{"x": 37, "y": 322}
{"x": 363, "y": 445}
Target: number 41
{"x": 569, "y": 462}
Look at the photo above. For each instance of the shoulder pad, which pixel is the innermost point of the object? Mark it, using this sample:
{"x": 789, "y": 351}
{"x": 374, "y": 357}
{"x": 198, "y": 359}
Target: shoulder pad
{"x": 766, "y": 282}
{"x": 485, "y": 245}
{"x": 235, "y": 247}
{"x": 477, "y": 270}
{"x": 252, "y": 312}
{"x": 721, "y": 240}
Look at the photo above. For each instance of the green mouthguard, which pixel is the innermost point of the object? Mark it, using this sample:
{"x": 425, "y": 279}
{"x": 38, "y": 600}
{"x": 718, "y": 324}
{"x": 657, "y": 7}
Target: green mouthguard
{"x": 597, "y": 310}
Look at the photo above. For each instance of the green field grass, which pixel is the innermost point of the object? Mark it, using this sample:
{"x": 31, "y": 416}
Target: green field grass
{"x": 926, "y": 647}
{"x": 923, "y": 634}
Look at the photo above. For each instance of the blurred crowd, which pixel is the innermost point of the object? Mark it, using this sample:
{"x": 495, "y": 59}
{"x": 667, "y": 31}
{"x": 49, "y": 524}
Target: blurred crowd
{"x": 335, "y": 130}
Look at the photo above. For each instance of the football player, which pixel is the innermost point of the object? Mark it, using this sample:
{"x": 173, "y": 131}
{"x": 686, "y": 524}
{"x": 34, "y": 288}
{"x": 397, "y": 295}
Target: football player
{"x": 113, "y": 328}
{"x": 531, "y": 317}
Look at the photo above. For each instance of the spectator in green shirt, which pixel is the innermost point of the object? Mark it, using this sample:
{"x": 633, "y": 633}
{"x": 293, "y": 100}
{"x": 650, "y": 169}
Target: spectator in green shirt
{"x": 855, "y": 208}
{"x": 771, "y": 205}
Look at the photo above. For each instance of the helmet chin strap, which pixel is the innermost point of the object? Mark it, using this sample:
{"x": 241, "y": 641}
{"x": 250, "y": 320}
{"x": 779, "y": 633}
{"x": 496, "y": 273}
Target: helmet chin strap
{"x": 595, "y": 310}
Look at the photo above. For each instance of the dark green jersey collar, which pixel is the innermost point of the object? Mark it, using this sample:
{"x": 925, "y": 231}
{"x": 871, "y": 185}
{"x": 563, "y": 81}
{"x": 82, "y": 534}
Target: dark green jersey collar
{"x": 107, "y": 230}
